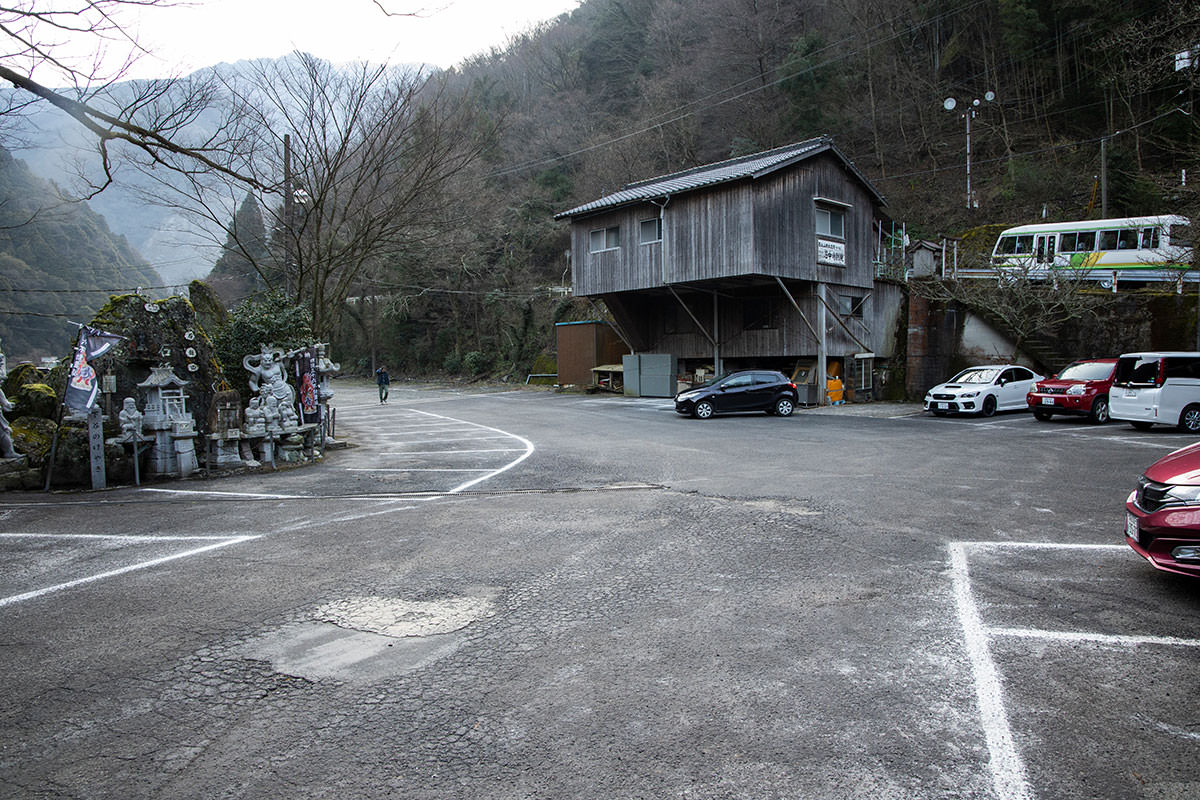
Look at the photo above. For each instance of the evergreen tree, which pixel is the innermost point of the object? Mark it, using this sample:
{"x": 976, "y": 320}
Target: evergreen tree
{"x": 238, "y": 273}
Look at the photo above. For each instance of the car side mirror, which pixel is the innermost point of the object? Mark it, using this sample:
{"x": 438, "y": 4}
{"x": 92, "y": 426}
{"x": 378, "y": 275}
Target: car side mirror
{"x": 1001, "y": 382}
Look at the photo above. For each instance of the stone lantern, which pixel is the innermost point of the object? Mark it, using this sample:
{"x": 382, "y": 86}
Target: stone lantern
{"x": 167, "y": 419}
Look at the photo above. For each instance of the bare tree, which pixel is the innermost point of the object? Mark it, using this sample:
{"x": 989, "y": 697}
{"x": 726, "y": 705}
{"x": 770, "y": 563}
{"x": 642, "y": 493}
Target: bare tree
{"x": 371, "y": 150}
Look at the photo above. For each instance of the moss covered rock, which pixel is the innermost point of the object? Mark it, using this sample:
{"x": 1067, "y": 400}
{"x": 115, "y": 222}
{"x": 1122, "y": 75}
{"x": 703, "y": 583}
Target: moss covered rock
{"x": 32, "y": 437}
{"x": 34, "y": 400}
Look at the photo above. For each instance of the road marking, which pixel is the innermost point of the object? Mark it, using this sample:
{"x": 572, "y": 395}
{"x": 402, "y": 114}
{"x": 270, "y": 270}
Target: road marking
{"x": 255, "y": 495}
{"x": 20, "y": 598}
{"x": 1008, "y": 770}
{"x": 528, "y": 451}
{"x": 415, "y": 469}
{"x": 349, "y": 518}
{"x": 1009, "y": 779}
{"x": 1097, "y": 638}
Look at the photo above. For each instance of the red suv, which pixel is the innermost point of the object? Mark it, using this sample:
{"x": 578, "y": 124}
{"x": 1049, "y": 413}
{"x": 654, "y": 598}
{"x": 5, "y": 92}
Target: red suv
{"x": 1081, "y": 389}
{"x": 1162, "y": 516}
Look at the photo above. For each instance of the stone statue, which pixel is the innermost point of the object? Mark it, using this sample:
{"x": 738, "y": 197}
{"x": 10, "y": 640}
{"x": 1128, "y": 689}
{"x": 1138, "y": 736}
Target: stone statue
{"x": 267, "y": 373}
{"x": 6, "y": 443}
{"x": 288, "y": 420}
{"x": 131, "y": 420}
{"x": 271, "y": 415}
{"x": 326, "y": 369}
{"x": 254, "y": 421}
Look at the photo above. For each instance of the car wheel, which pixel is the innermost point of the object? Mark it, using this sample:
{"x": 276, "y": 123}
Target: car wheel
{"x": 704, "y": 410}
{"x": 784, "y": 406}
{"x": 1042, "y": 415}
{"x": 1099, "y": 412}
{"x": 989, "y": 405}
{"x": 1189, "y": 420}
{"x": 1142, "y": 426}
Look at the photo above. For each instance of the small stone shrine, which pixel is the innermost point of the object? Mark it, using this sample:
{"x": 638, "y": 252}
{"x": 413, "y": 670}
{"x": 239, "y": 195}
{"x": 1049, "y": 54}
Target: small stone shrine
{"x": 168, "y": 420}
{"x": 225, "y": 429}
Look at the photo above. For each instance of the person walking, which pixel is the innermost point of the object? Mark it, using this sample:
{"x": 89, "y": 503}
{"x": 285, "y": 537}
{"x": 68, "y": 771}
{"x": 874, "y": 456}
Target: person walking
{"x": 383, "y": 379}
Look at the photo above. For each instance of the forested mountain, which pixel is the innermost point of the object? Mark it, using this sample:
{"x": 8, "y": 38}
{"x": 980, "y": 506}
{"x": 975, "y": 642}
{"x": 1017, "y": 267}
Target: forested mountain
{"x": 52, "y": 252}
{"x": 623, "y": 90}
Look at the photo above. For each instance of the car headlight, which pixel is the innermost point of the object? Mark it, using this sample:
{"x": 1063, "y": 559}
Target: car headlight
{"x": 1184, "y": 494}
{"x": 969, "y": 394}
{"x": 1077, "y": 388}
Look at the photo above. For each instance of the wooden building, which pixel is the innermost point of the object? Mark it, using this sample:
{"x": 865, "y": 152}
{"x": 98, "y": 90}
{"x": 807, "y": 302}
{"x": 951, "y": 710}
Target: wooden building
{"x": 763, "y": 261}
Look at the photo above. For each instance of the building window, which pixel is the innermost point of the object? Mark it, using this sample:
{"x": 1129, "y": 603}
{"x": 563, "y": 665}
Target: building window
{"x": 758, "y": 314}
{"x": 850, "y": 306}
{"x": 650, "y": 231}
{"x": 605, "y": 239}
{"x": 831, "y": 223}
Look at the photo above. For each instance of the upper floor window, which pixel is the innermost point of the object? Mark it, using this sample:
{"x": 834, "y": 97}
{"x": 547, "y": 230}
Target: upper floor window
{"x": 650, "y": 231}
{"x": 830, "y": 223}
{"x": 604, "y": 239}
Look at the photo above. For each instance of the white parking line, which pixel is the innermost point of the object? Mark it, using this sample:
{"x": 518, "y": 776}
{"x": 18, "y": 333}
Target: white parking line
{"x": 1009, "y": 779}
{"x": 1008, "y": 770}
{"x": 221, "y": 542}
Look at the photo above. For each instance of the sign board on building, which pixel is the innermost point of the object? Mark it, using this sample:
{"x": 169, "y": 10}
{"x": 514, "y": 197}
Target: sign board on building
{"x": 833, "y": 253}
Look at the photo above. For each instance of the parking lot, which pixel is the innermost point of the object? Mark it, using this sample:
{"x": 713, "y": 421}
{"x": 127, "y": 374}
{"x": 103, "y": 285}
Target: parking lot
{"x": 519, "y": 594}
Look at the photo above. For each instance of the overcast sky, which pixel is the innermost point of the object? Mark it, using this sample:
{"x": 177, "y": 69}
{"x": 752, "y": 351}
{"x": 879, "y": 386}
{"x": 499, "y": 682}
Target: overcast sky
{"x": 206, "y": 32}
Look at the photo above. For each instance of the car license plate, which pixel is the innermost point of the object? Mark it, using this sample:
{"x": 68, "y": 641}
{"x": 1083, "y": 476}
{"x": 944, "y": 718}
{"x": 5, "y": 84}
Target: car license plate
{"x": 1047, "y": 401}
{"x": 1131, "y": 526}
{"x": 939, "y": 405}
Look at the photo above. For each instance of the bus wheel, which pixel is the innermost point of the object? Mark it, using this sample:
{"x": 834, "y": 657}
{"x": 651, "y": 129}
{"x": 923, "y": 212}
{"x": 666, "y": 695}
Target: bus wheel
{"x": 1189, "y": 420}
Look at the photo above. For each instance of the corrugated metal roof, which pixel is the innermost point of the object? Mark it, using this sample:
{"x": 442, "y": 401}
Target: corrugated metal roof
{"x": 751, "y": 166}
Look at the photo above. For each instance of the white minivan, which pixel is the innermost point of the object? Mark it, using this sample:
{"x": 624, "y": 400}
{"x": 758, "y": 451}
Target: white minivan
{"x": 1161, "y": 388}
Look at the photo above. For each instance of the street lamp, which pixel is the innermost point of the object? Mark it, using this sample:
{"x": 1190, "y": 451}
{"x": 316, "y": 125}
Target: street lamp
{"x": 950, "y": 104}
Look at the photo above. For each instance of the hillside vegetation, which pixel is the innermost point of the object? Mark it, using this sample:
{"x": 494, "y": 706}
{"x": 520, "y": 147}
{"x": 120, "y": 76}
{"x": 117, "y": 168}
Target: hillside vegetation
{"x": 623, "y": 90}
{"x": 58, "y": 261}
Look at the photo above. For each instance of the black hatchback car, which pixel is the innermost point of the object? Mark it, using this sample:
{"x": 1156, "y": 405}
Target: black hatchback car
{"x": 749, "y": 390}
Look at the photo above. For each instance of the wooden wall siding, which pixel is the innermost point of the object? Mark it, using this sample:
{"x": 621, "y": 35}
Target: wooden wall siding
{"x": 785, "y": 235}
{"x": 709, "y": 235}
{"x": 633, "y": 266}
{"x": 763, "y": 227}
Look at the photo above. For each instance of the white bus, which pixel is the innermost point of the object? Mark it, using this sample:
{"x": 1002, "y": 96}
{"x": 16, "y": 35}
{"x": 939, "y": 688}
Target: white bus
{"x": 1154, "y": 248}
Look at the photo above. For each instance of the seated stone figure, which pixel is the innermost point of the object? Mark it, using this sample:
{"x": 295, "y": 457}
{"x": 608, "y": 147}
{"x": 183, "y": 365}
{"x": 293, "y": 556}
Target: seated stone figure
{"x": 254, "y": 421}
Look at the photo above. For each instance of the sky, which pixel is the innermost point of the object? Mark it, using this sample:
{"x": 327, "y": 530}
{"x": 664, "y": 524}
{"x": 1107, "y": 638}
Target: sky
{"x": 198, "y": 34}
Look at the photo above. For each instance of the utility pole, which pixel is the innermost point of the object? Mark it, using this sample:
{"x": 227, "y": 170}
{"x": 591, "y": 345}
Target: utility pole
{"x": 1104, "y": 178}
{"x": 287, "y": 214}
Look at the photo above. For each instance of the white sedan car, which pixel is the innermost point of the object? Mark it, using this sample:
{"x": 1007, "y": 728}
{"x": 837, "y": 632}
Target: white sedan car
{"x": 984, "y": 390}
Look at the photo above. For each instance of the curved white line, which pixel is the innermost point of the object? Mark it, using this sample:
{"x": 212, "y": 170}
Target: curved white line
{"x": 529, "y": 448}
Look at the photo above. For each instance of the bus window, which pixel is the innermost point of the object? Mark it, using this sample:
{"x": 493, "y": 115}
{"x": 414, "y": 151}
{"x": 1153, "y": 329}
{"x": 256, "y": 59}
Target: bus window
{"x": 1149, "y": 238}
{"x": 1082, "y": 242}
{"x": 1014, "y": 245}
{"x": 1108, "y": 240}
{"x": 1128, "y": 239}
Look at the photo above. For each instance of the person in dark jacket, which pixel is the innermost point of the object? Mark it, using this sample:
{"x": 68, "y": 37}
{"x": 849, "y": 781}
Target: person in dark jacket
{"x": 383, "y": 379}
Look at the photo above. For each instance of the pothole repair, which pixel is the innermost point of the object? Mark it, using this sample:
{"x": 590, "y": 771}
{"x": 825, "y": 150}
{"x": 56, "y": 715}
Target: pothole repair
{"x": 390, "y": 616}
{"x": 370, "y": 638}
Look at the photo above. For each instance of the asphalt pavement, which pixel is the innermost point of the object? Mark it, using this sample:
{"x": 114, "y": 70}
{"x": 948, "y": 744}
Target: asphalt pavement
{"x": 499, "y": 592}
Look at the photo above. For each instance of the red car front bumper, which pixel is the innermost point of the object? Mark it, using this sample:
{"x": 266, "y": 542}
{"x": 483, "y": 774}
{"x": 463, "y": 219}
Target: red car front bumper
{"x": 1159, "y": 536}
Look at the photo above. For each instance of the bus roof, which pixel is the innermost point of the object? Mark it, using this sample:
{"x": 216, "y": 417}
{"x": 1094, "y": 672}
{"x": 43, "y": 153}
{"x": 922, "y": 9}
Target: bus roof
{"x": 1098, "y": 224}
